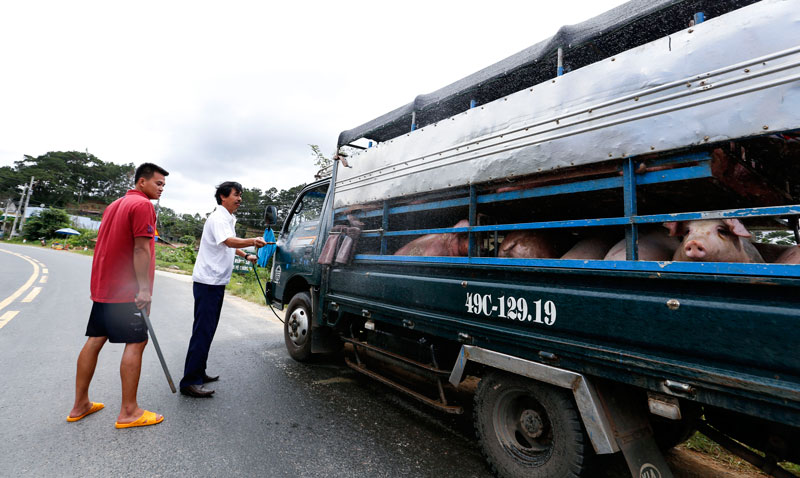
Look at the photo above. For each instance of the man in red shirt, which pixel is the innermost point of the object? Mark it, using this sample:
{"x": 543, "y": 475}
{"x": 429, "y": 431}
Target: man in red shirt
{"x": 122, "y": 283}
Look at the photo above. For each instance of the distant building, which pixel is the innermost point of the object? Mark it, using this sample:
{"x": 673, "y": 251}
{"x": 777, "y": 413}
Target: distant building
{"x": 77, "y": 221}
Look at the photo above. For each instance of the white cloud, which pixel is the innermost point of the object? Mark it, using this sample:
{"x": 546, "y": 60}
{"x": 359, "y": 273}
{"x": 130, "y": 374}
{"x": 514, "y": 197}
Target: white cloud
{"x": 237, "y": 90}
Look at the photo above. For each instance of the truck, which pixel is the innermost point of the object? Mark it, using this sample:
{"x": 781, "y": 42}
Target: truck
{"x": 657, "y": 112}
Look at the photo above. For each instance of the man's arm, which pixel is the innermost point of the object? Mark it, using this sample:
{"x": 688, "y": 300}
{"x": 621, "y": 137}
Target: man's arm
{"x": 237, "y": 243}
{"x": 141, "y": 265}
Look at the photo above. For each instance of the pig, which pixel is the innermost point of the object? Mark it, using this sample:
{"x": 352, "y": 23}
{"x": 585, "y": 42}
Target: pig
{"x": 713, "y": 240}
{"x": 455, "y": 244}
{"x": 771, "y": 252}
{"x": 590, "y": 248}
{"x": 654, "y": 245}
{"x": 789, "y": 256}
{"x": 529, "y": 244}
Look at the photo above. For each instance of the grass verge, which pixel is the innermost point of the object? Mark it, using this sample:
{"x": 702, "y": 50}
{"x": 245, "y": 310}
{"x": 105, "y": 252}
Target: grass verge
{"x": 703, "y": 444}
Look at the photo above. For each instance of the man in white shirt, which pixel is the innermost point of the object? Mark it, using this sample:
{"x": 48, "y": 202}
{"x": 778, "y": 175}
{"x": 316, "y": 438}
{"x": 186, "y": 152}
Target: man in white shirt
{"x": 212, "y": 272}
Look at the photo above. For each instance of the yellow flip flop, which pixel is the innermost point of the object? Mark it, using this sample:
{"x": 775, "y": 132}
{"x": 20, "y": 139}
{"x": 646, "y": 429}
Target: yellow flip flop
{"x": 147, "y": 418}
{"x": 96, "y": 407}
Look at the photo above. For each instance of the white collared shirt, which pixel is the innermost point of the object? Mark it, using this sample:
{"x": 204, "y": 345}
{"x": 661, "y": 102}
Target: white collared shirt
{"x": 214, "y": 263}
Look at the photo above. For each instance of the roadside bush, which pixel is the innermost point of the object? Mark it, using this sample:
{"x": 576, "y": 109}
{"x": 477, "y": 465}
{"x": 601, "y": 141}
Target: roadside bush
{"x": 188, "y": 239}
{"x": 184, "y": 254}
{"x": 45, "y": 223}
{"x": 86, "y": 239}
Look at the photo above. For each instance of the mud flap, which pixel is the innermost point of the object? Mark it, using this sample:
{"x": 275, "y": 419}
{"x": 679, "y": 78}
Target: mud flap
{"x": 629, "y": 420}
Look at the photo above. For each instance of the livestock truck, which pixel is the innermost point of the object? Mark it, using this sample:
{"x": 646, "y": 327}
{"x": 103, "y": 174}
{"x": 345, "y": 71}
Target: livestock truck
{"x": 658, "y": 111}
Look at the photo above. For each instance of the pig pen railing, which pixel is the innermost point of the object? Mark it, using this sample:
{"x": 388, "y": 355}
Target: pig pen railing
{"x": 685, "y": 167}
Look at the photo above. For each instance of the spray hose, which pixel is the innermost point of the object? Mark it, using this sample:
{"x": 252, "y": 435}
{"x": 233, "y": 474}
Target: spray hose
{"x": 263, "y": 292}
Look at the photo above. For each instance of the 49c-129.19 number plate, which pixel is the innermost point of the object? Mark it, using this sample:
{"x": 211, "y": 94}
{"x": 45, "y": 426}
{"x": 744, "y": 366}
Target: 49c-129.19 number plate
{"x": 512, "y": 308}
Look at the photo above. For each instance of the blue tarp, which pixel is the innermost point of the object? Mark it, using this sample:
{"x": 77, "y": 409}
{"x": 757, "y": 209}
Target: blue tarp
{"x": 266, "y": 252}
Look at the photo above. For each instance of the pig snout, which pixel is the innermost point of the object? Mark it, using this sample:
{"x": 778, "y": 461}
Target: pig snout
{"x": 694, "y": 250}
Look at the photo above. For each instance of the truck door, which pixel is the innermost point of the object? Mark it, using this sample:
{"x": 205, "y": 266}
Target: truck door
{"x": 297, "y": 240}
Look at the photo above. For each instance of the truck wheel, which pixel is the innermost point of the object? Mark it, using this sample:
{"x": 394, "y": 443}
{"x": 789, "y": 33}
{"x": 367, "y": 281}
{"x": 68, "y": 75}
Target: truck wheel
{"x": 297, "y": 327}
{"x": 529, "y": 429}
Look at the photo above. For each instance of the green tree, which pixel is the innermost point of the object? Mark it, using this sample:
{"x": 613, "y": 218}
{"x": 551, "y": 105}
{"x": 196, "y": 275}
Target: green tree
{"x": 73, "y": 177}
{"x": 45, "y": 224}
{"x": 320, "y": 160}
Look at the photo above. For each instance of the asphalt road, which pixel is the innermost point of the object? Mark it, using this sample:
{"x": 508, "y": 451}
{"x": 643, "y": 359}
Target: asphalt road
{"x": 270, "y": 416}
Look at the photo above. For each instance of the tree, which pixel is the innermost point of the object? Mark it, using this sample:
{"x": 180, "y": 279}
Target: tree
{"x": 45, "y": 223}
{"x": 71, "y": 177}
{"x": 320, "y": 160}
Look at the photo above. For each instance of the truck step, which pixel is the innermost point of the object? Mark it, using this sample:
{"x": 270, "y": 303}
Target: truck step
{"x": 437, "y": 404}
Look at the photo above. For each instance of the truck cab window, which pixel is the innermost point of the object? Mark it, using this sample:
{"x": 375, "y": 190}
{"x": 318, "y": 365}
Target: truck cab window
{"x": 308, "y": 209}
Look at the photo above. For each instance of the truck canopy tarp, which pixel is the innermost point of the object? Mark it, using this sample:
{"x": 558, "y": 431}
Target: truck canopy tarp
{"x": 629, "y": 25}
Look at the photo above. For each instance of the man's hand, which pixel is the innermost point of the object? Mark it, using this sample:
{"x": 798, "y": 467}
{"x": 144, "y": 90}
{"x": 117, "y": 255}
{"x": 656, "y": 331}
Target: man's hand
{"x": 143, "y": 299}
{"x": 251, "y": 257}
{"x": 259, "y": 242}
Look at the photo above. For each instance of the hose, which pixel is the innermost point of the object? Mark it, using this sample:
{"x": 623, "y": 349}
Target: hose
{"x": 263, "y": 292}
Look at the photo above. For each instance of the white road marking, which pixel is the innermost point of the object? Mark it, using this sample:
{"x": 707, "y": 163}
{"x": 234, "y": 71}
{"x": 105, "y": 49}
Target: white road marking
{"x": 6, "y": 318}
{"x": 25, "y": 286}
{"x": 32, "y": 295}
{"x": 44, "y": 279}
{"x": 44, "y": 271}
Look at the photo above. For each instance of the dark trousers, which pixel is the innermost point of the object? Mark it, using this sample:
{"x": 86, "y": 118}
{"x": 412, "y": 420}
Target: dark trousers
{"x": 207, "y": 307}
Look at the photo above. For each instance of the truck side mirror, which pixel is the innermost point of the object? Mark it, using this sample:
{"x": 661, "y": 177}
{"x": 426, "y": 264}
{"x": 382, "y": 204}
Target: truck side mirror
{"x": 270, "y": 215}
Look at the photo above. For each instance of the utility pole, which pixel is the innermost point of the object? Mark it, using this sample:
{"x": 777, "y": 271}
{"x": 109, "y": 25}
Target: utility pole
{"x": 28, "y": 200}
{"x": 16, "y": 216}
{"x": 5, "y": 215}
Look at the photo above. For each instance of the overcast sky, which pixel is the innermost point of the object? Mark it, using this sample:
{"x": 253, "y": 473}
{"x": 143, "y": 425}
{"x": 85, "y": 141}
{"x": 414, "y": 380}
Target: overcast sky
{"x": 236, "y": 90}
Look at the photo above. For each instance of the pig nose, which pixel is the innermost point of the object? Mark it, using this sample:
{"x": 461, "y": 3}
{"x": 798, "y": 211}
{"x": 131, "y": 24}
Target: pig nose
{"x": 694, "y": 250}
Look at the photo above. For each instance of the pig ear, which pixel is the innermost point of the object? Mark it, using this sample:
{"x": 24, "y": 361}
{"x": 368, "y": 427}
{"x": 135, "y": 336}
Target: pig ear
{"x": 736, "y": 227}
{"x": 673, "y": 227}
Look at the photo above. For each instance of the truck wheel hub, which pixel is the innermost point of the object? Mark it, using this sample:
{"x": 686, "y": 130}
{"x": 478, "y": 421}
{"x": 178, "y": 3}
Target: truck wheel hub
{"x": 298, "y": 324}
{"x": 531, "y": 423}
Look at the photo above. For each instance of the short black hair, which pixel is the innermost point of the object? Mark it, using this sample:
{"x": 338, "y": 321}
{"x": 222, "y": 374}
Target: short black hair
{"x": 146, "y": 170}
{"x": 225, "y": 189}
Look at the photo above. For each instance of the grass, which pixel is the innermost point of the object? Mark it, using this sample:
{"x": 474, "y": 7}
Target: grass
{"x": 703, "y": 444}
{"x": 245, "y": 285}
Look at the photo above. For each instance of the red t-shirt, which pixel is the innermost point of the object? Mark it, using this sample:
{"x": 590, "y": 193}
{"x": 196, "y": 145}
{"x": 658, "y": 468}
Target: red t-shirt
{"x": 113, "y": 275}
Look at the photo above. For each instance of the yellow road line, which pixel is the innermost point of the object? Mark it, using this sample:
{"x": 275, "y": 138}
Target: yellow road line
{"x": 44, "y": 270}
{"x": 6, "y": 318}
{"x": 43, "y": 279}
{"x": 25, "y": 286}
{"x": 32, "y": 295}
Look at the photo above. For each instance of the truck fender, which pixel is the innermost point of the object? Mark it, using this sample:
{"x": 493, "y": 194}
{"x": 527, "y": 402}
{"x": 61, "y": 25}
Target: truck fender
{"x": 587, "y": 399}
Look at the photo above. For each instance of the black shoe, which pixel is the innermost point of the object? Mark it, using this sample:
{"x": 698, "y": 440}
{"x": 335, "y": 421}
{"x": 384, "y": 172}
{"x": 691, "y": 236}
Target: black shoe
{"x": 197, "y": 391}
{"x": 207, "y": 379}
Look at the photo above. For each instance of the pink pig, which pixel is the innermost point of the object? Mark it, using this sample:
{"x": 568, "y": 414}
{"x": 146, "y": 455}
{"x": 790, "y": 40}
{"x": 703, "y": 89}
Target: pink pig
{"x": 789, "y": 256}
{"x": 654, "y": 245}
{"x": 455, "y": 244}
{"x": 591, "y": 248}
{"x": 713, "y": 240}
{"x": 530, "y": 244}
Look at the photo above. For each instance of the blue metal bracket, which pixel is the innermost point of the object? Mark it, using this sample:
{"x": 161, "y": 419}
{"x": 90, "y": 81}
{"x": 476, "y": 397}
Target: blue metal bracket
{"x": 699, "y": 17}
{"x": 384, "y": 227}
{"x": 473, "y": 219}
{"x": 629, "y": 199}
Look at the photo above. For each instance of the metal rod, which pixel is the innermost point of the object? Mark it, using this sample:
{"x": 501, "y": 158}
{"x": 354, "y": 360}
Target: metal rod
{"x": 629, "y": 193}
{"x": 158, "y": 349}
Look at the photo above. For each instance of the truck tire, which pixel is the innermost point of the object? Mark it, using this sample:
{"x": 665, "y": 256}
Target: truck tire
{"x": 297, "y": 327}
{"x": 529, "y": 429}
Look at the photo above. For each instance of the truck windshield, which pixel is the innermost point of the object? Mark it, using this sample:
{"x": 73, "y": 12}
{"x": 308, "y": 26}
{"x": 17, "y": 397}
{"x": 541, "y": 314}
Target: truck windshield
{"x": 309, "y": 208}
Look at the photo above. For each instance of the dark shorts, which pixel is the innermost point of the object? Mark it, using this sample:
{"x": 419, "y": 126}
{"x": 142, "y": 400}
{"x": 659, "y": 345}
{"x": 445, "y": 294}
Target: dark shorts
{"x": 121, "y": 323}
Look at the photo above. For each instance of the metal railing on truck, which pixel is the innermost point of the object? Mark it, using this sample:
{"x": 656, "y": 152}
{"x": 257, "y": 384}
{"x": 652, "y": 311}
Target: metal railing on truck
{"x": 683, "y": 168}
